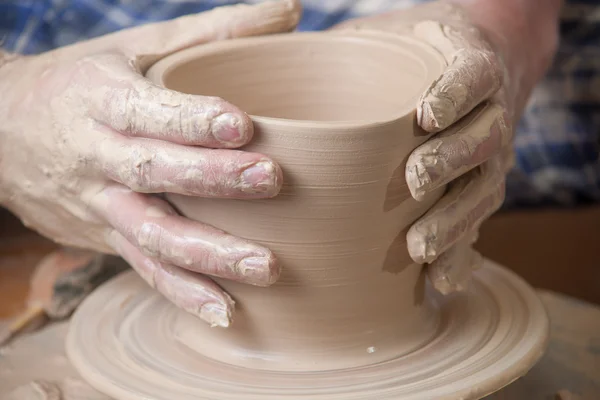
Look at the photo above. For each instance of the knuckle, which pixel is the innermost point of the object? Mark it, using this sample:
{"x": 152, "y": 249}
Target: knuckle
{"x": 170, "y": 115}
{"x": 96, "y": 67}
{"x": 500, "y": 195}
{"x": 500, "y": 128}
{"x": 123, "y": 107}
{"x": 114, "y": 94}
{"x": 119, "y": 108}
{"x": 137, "y": 173}
{"x": 86, "y": 66}
{"x": 215, "y": 176}
{"x": 504, "y": 126}
{"x": 150, "y": 240}
{"x": 491, "y": 64}
{"x": 208, "y": 261}
{"x": 185, "y": 117}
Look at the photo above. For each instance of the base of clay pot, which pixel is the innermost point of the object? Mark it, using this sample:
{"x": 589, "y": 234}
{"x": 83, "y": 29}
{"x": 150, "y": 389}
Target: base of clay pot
{"x": 121, "y": 340}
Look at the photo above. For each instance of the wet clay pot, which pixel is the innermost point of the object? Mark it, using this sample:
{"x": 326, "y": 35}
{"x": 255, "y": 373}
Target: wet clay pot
{"x": 337, "y": 113}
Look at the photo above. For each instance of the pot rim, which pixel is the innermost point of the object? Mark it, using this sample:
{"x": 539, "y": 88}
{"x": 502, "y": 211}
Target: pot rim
{"x": 430, "y": 58}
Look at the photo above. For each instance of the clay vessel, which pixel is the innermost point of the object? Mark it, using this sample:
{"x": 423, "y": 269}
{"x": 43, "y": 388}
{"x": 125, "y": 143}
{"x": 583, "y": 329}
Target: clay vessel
{"x": 351, "y": 316}
{"x": 337, "y": 112}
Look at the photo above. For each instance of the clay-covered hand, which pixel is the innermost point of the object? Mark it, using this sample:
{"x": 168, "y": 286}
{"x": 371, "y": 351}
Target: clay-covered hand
{"x": 86, "y": 141}
{"x": 494, "y": 58}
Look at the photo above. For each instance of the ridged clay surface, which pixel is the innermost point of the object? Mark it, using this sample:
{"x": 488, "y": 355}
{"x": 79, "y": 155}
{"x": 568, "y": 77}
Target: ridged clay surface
{"x": 337, "y": 113}
{"x": 129, "y": 343}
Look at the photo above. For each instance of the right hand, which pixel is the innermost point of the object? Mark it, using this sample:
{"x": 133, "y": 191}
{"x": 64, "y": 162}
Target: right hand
{"x": 494, "y": 58}
{"x": 85, "y": 140}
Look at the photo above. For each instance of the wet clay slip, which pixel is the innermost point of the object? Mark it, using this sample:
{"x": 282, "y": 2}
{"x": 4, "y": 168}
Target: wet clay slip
{"x": 351, "y": 316}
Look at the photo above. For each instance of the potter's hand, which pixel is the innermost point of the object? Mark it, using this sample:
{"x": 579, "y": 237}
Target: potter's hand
{"x": 85, "y": 139}
{"x": 495, "y": 50}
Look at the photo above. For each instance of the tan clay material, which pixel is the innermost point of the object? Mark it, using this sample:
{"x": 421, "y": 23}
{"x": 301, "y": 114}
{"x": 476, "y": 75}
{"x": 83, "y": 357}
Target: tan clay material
{"x": 341, "y": 127}
{"x": 337, "y": 113}
{"x": 570, "y": 364}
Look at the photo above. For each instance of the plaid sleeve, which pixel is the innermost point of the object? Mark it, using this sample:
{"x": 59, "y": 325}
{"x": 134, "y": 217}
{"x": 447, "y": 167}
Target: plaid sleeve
{"x": 557, "y": 140}
{"x": 33, "y": 26}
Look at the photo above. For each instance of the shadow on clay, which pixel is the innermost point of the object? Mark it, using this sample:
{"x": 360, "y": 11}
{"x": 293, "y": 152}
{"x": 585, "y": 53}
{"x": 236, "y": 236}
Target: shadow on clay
{"x": 397, "y": 258}
{"x": 417, "y": 130}
{"x": 397, "y": 190}
{"x": 419, "y": 293}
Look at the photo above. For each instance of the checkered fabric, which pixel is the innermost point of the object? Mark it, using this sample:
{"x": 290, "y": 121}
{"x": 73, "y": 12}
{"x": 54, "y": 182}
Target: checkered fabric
{"x": 557, "y": 139}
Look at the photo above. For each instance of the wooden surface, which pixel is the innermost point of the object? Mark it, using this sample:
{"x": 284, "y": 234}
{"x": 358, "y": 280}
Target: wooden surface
{"x": 552, "y": 250}
{"x": 20, "y": 251}
{"x": 572, "y": 361}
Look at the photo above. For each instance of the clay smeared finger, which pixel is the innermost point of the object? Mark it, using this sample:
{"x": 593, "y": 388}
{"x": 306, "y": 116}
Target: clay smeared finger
{"x": 160, "y": 233}
{"x": 469, "y": 143}
{"x": 471, "y": 199}
{"x": 241, "y": 20}
{"x": 122, "y": 99}
{"x": 151, "y": 166}
{"x": 150, "y": 42}
{"x": 508, "y": 158}
{"x": 474, "y": 74}
{"x": 193, "y": 293}
{"x": 452, "y": 270}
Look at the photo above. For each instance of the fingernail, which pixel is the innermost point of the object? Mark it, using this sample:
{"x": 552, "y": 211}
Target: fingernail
{"x": 417, "y": 178}
{"x": 259, "y": 178}
{"x": 421, "y": 245}
{"x": 228, "y": 128}
{"x": 216, "y": 314}
{"x": 258, "y": 271}
{"x": 435, "y": 114}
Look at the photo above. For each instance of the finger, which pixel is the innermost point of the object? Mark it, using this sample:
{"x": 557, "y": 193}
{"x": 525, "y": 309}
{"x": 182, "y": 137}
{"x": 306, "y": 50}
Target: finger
{"x": 159, "y": 39}
{"x": 152, "y": 226}
{"x": 462, "y": 147}
{"x": 193, "y": 293}
{"x": 473, "y": 75}
{"x": 470, "y": 200}
{"x": 149, "y": 166}
{"x": 402, "y": 20}
{"x": 120, "y": 98}
{"x": 452, "y": 271}
{"x": 148, "y": 43}
{"x": 508, "y": 158}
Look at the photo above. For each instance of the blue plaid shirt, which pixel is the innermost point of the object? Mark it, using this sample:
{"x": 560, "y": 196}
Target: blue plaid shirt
{"x": 557, "y": 139}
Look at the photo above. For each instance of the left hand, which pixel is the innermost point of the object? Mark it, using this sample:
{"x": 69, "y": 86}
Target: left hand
{"x": 484, "y": 81}
{"x": 105, "y": 140}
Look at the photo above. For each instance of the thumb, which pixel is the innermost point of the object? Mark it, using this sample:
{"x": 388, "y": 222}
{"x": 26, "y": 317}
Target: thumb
{"x": 150, "y": 42}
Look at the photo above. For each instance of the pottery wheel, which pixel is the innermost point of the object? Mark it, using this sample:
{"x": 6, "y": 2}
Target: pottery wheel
{"x": 122, "y": 341}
